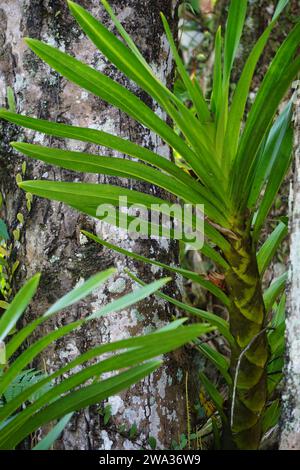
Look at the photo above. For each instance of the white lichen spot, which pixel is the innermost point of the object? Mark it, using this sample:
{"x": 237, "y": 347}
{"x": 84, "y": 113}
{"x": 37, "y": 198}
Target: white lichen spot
{"x": 84, "y": 95}
{"x": 117, "y": 404}
{"x": 82, "y": 239}
{"x": 138, "y": 315}
{"x": 118, "y": 286}
{"x": 54, "y": 259}
{"x": 70, "y": 352}
{"x": 106, "y": 442}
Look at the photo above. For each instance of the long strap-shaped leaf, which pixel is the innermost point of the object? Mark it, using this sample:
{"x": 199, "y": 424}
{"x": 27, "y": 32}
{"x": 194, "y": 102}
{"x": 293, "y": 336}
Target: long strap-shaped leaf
{"x": 80, "y": 399}
{"x": 234, "y": 28}
{"x": 119, "y": 54}
{"x": 209, "y": 317}
{"x": 183, "y": 272}
{"x": 279, "y": 170}
{"x": 36, "y": 348}
{"x": 216, "y": 95}
{"x": 233, "y": 32}
{"x": 274, "y": 290}
{"x": 17, "y": 307}
{"x": 159, "y": 230}
{"x": 126, "y": 60}
{"x": 125, "y": 35}
{"x": 269, "y": 248}
{"x": 88, "y": 197}
{"x": 281, "y": 73}
{"x": 240, "y": 98}
{"x": 243, "y": 87}
{"x": 54, "y": 434}
{"x": 128, "y": 63}
{"x": 167, "y": 340}
{"x": 107, "y": 140}
{"x": 271, "y": 151}
{"x": 141, "y": 349}
{"x": 115, "y": 94}
{"x": 87, "y": 163}
{"x": 194, "y": 92}
{"x": 69, "y": 299}
{"x": 92, "y": 196}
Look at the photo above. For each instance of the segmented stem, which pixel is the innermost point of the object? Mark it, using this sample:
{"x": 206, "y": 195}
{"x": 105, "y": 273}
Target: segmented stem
{"x": 250, "y": 353}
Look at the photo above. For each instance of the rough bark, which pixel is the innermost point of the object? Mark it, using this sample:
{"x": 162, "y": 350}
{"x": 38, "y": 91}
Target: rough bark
{"x": 290, "y": 429}
{"x": 50, "y": 238}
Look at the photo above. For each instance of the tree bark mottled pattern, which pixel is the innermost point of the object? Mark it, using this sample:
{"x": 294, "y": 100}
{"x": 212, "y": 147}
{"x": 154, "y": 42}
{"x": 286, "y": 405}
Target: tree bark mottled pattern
{"x": 50, "y": 236}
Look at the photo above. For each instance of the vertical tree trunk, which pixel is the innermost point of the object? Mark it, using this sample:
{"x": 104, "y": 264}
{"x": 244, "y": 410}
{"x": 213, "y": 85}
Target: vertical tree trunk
{"x": 290, "y": 429}
{"x": 50, "y": 238}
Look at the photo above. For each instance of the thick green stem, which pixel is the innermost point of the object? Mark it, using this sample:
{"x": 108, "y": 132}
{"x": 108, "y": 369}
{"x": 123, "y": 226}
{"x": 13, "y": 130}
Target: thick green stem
{"x": 250, "y": 354}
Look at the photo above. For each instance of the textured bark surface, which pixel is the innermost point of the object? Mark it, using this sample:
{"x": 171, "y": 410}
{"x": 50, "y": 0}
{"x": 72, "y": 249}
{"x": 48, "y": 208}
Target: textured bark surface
{"x": 290, "y": 429}
{"x": 50, "y": 235}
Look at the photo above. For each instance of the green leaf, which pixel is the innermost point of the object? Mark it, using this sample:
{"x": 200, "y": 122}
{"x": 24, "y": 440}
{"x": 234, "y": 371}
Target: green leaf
{"x": 131, "y": 64}
{"x": 106, "y": 140}
{"x": 272, "y": 151}
{"x": 32, "y": 351}
{"x": 269, "y": 248}
{"x": 211, "y": 318}
{"x": 123, "y": 33}
{"x": 54, "y": 434}
{"x": 280, "y": 7}
{"x": 3, "y": 230}
{"x": 279, "y": 170}
{"x": 213, "y": 393}
{"x": 115, "y": 94}
{"x": 271, "y": 416}
{"x": 91, "y": 195}
{"x": 11, "y": 99}
{"x": 143, "y": 347}
{"x": 74, "y": 296}
{"x": 36, "y": 348}
{"x": 16, "y": 308}
{"x": 279, "y": 316}
{"x": 88, "y": 197}
{"x": 216, "y": 96}
{"x": 216, "y": 358}
{"x": 234, "y": 28}
{"x": 80, "y": 292}
{"x": 276, "y": 340}
{"x": 274, "y": 290}
{"x": 150, "y": 346}
{"x": 152, "y": 442}
{"x": 87, "y": 163}
{"x": 240, "y": 97}
{"x": 183, "y": 272}
{"x": 193, "y": 91}
{"x": 280, "y": 75}
{"x": 79, "y": 399}
{"x": 130, "y": 299}
{"x": 128, "y": 62}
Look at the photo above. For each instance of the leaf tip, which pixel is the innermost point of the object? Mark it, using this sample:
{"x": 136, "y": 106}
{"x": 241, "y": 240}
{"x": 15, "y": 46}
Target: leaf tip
{"x": 14, "y": 144}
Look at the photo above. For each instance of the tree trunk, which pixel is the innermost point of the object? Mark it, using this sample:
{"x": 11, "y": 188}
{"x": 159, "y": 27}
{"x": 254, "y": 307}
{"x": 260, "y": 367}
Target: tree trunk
{"x": 50, "y": 234}
{"x": 290, "y": 429}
